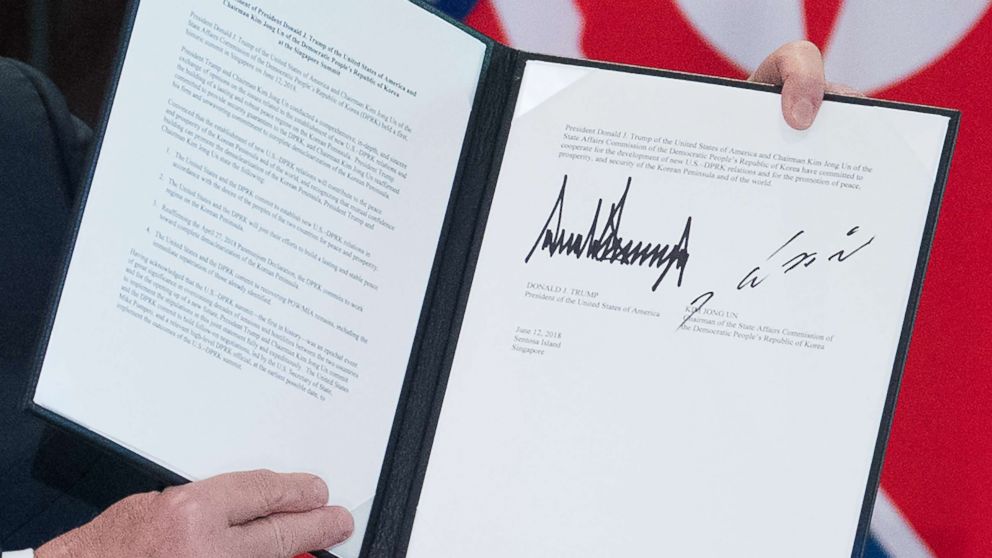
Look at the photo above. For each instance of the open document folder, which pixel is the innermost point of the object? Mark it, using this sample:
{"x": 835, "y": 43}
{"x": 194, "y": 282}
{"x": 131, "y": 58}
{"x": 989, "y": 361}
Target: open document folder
{"x": 503, "y": 303}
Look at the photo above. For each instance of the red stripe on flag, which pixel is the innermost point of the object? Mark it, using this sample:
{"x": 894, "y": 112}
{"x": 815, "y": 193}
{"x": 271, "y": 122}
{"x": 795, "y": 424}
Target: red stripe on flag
{"x": 821, "y": 18}
{"x": 938, "y": 469}
{"x": 484, "y": 19}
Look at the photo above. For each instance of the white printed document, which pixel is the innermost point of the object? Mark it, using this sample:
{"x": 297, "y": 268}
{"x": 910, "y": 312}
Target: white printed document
{"x": 682, "y": 326}
{"x": 504, "y": 304}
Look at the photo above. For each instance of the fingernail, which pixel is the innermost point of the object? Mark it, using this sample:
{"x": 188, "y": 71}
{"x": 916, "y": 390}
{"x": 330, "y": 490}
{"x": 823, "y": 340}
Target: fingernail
{"x": 344, "y": 523}
{"x": 802, "y": 114}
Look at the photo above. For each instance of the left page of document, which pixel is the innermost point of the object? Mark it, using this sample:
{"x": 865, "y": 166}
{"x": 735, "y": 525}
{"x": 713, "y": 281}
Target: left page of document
{"x": 253, "y": 257}
{"x": 682, "y": 325}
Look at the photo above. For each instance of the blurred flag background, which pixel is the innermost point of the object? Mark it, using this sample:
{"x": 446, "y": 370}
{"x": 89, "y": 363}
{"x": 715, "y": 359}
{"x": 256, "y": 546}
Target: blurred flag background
{"x": 936, "y": 497}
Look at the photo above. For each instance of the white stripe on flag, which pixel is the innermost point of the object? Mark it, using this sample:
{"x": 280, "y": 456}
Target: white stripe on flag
{"x": 746, "y": 32}
{"x": 545, "y": 26}
{"x": 894, "y": 533}
{"x": 881, "y": 42}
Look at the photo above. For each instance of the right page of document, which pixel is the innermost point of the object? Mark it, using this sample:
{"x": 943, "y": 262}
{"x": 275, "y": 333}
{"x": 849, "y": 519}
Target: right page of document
{"x": 682, "y": 326}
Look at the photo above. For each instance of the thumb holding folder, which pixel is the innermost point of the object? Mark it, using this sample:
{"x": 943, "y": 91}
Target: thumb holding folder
{"x": 798, "y": 68}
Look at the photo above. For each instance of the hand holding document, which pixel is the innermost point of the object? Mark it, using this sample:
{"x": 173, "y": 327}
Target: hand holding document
{"x": 682, "y": 325}
{"x": 508, "y": 303}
